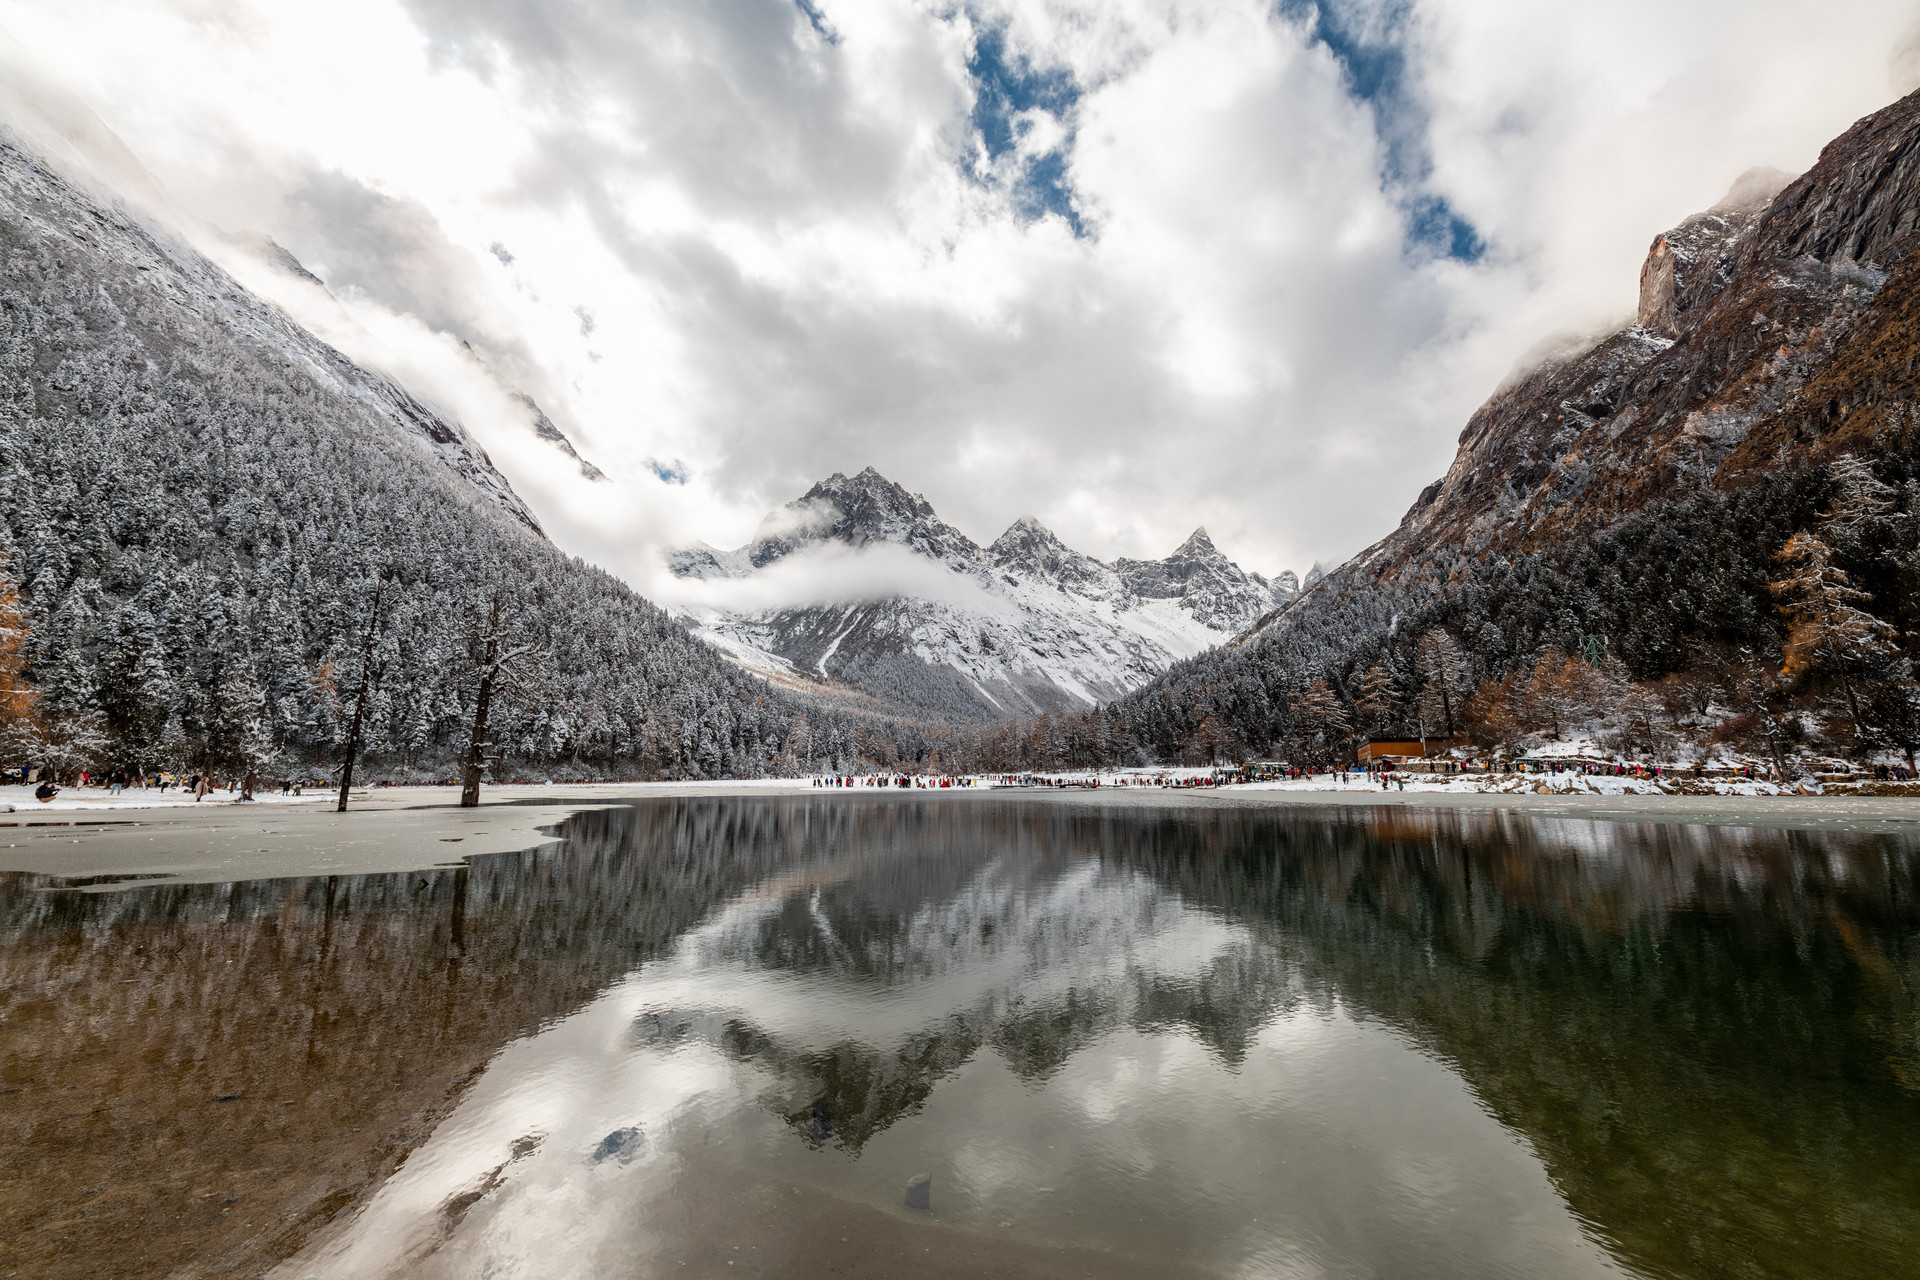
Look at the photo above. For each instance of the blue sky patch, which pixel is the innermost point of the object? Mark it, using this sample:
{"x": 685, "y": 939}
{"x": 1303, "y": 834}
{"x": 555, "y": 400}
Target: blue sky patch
{"x": 1005, "y": 86}
{"x": 674, "y": 472}
{"x": 1433, "y": 225}
{"x": 1369, "y": 43}
{"x": 818, "y": 17}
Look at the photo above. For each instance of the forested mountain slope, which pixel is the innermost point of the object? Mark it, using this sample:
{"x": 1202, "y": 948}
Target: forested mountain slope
{"x": 1026, "y": 624}
{"x": 197, "y": 499}
{"x": 1631, "y": 503}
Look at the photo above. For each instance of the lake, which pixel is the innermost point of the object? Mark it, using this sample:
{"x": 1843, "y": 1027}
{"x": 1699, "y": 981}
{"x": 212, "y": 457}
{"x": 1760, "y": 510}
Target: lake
{"x": 891, "y": 1036}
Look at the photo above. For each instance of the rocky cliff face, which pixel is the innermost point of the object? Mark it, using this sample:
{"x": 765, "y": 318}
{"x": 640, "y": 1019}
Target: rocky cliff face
{"x": 1771, "y": 334}
{"x": 1027, "y": 624}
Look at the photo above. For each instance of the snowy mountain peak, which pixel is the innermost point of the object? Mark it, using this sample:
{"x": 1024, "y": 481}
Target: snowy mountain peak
{"x": 1026, "y": 624}
{"x": 1030, "y": 549}
{"x": 857, "y": 510}
{"x": 1211, "y": 587}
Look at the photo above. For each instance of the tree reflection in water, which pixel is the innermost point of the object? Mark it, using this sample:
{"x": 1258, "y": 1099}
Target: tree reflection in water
{"x": 1709, "y": 1036}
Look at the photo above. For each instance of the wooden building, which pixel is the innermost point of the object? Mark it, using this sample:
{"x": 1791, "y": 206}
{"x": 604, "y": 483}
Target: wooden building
{"x": 1404, "y": 748}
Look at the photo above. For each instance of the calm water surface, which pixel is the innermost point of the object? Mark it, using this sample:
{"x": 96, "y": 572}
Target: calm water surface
{"x": 720, "y": 1037}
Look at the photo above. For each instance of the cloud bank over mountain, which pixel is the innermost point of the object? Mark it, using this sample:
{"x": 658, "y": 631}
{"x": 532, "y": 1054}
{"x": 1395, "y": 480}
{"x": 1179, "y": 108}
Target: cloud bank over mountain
{"x": 1128, "y": 266}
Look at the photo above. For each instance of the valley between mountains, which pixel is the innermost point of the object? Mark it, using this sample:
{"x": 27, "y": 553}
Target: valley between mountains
{"x": 1022, "y": 626}
{"x": 231, "y": 548}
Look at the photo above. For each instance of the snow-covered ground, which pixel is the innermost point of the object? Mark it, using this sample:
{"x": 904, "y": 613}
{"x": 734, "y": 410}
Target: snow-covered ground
{"x": 20, "y": 799}
{"x": 1531, "y": 783}
{"x": 1456, "y": 784}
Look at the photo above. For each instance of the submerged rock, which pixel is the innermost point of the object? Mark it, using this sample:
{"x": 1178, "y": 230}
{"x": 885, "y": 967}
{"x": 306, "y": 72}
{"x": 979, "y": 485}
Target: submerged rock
{"x": 624, "y": 1145}
{"x": 920, "y": 1191}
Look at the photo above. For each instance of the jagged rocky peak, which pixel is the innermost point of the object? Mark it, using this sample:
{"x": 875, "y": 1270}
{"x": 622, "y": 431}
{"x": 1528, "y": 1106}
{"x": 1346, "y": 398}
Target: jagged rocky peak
{"x": 1689, "y": 264}
{"x": 274, "y": 254}
{"x": 1215, "y": 590}
{"x": 1030, "y": 548}
{"x": 1193, "y": 564}
{"x": 1197, "y": 549}
{"x": 858, "y": 510}
{"x": 1861, "y": 200}
{"x": 1031, "y": 625}
{"x": 1760, "y": 321}
{"x": 1858, "y": 205}
{"x": 544, "y": 427}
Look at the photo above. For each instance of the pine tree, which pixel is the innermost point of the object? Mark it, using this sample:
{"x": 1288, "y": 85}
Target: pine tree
{"x": 1379, "y": 697}
{"x": 1826, "y": 629}
{"x": 243, "y": 740}
{"x": 1326, "y": 718}
{"x": 1446, "y": 671}
{"x": 1859, "y": 497}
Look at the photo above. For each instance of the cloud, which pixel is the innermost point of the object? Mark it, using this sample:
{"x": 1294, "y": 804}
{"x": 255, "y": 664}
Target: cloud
{"x": 1903, "y": 63}
{"x": 834, "y": 573}
{"x": 1131, "y": 265}
{"x": 798, "y": 520}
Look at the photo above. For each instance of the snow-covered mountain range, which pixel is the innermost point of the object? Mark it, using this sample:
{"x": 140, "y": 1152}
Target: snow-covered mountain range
{"x": 860, "y": 583}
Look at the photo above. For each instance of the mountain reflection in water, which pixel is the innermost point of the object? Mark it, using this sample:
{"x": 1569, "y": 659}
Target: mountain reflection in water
{"x": 707, "y": 1036}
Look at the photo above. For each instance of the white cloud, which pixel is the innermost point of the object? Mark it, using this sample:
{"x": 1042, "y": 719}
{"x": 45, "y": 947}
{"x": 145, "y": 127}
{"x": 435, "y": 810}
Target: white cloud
{"x": 834, "y": 573}
{"x": 791, "y": 269}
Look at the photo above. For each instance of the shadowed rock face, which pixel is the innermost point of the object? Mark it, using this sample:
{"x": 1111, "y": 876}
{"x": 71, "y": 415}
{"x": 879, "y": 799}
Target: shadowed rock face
{"x": 1762, "y": 345}
{"x": 1708, "y": 1035}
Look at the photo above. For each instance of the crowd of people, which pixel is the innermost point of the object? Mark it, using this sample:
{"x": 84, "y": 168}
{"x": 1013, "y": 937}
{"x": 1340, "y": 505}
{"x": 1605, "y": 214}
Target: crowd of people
{"x": 198, "y": 785}
{"x": 917, "y": 781}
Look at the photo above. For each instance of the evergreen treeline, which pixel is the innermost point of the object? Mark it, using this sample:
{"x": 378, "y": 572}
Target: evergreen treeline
{"x": 197, "y": 517}
{"x": 1773, "y": 619}
{"x": 231, "y": 548}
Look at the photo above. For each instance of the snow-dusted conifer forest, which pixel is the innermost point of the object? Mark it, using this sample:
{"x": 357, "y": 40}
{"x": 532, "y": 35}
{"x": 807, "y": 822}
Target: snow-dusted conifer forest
{"x": 200, "y": 500}
{"x": 1697, "y": 538}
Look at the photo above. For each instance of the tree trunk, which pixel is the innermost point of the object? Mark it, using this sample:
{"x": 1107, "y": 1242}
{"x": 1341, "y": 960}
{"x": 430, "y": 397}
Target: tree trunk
{"x": 482, "y": 705}
{"x": 353, "y": 747}
{"x": 360, "y": 699}
{"x": 1853, "y": 707}
{"x": 477, "y": 745}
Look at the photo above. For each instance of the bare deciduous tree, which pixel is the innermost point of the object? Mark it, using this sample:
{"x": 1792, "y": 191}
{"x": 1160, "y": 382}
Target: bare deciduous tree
{"x": 370, "y": 674}
{"x": 494, "y": 661}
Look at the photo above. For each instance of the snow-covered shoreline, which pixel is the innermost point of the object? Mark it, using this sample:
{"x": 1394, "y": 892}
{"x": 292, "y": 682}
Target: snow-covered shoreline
{"x": 20, "y": 799}
{"x": 392, "y": 829}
